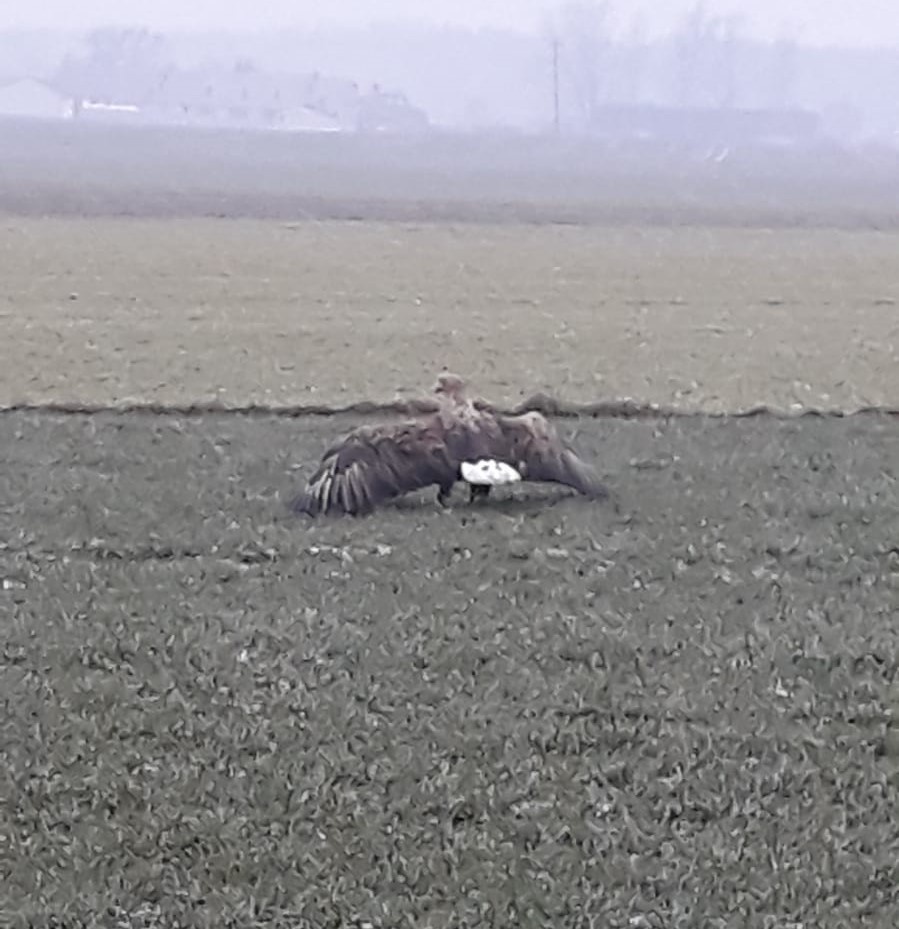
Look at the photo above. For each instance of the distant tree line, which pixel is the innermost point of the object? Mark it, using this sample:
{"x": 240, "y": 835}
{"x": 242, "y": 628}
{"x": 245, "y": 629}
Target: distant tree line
{"x": 600, "y": 63}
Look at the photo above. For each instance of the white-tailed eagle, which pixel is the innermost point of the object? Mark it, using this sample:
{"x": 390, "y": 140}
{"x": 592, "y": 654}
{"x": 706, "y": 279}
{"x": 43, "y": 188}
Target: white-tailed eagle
{"x": 458, "y": 441}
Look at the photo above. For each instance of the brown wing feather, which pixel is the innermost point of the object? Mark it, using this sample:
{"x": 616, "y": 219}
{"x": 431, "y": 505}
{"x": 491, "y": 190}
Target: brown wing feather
{"x": 536, "y": 448}
{"x": 373, "y": 465}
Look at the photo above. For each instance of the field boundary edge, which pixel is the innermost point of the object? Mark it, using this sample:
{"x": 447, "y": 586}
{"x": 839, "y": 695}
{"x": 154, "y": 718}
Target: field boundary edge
{"x": 541, "y": 403}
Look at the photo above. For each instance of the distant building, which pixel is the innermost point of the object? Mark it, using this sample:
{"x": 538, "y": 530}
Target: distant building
{"x": 706, "y": 125}
{"x": 29, "y": 97}
{"x": 243, "y": 96}
{"x": 389, "y": 112}
{"x": 239, "y": 96}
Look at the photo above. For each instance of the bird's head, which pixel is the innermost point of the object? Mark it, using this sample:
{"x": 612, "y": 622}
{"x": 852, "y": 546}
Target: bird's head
{"x": 536, "y": 423}
{"x": 449, "y": 384}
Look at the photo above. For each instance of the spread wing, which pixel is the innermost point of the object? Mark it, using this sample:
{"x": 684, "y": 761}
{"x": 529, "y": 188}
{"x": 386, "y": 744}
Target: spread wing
{"x": 539, "y": 453}
{"x": 372, "y": 466}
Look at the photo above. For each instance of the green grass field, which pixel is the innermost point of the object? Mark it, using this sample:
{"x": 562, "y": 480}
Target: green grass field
{"x": 534, "y": 712}
{"x": 676, "y": 712}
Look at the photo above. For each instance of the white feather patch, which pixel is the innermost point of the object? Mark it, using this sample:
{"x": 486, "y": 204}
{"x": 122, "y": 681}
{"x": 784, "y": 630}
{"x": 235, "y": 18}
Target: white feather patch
{"x": 489, "y": 473}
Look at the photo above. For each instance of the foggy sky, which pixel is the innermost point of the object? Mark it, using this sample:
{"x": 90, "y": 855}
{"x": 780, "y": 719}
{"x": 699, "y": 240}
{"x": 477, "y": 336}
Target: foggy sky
{"x": 870, "y": 22}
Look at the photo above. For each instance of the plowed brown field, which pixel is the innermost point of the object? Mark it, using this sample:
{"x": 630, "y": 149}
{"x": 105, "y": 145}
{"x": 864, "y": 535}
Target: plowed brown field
{"x": 116, "y": 311}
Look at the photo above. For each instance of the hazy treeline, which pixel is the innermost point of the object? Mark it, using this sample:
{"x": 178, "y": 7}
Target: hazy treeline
{"x": 478, "y": 78}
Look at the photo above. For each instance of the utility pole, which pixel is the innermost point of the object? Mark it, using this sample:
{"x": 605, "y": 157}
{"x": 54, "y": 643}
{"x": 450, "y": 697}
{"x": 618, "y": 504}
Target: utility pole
{"x": 555, "y": 41}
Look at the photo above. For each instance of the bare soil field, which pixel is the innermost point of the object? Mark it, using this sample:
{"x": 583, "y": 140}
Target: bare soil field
{"x": 111, "y": 311}
{"x": 176, "y": 267}
{"x": 536, "y": 712}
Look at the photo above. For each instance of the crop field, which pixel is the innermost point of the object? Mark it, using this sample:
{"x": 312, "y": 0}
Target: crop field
{"x": 676, "y": 709}
{"x": 536, "y": 711}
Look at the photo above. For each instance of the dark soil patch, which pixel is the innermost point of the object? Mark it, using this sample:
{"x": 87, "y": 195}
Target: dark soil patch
{"x": 533, "y": 713}
{"x": 102, "y": 170}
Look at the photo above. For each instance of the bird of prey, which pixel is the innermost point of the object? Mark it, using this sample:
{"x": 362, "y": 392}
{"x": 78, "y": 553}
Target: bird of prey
{"x": 458, "y": 441}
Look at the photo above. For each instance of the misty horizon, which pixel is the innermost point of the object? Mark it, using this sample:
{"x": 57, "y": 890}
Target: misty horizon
{"x": 468, "y": 67}
{"x": 873, "y": 23}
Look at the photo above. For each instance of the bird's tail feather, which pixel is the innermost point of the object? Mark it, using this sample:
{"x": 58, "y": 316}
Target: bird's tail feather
{"x": 582, "y": 477}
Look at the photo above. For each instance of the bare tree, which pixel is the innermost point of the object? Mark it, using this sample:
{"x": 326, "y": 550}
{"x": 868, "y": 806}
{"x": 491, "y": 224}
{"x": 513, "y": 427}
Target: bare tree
{"x": 705, "y": 49}
{"x": 549, "y": 65}
{"x": 727, "y": 45}
{"x": 688, "y": 40}
{"x": 584, "y": 30}
{"x": 784, "y": 70}
{"x": 129, "y": 48}
{"x": 634, "y": 59}
{"x": 118, "y": 65}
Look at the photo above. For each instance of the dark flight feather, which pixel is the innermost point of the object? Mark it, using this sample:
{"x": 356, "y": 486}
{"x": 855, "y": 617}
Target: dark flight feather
{"x": 372, "y": 466}
{"x": 536, "y": 449}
